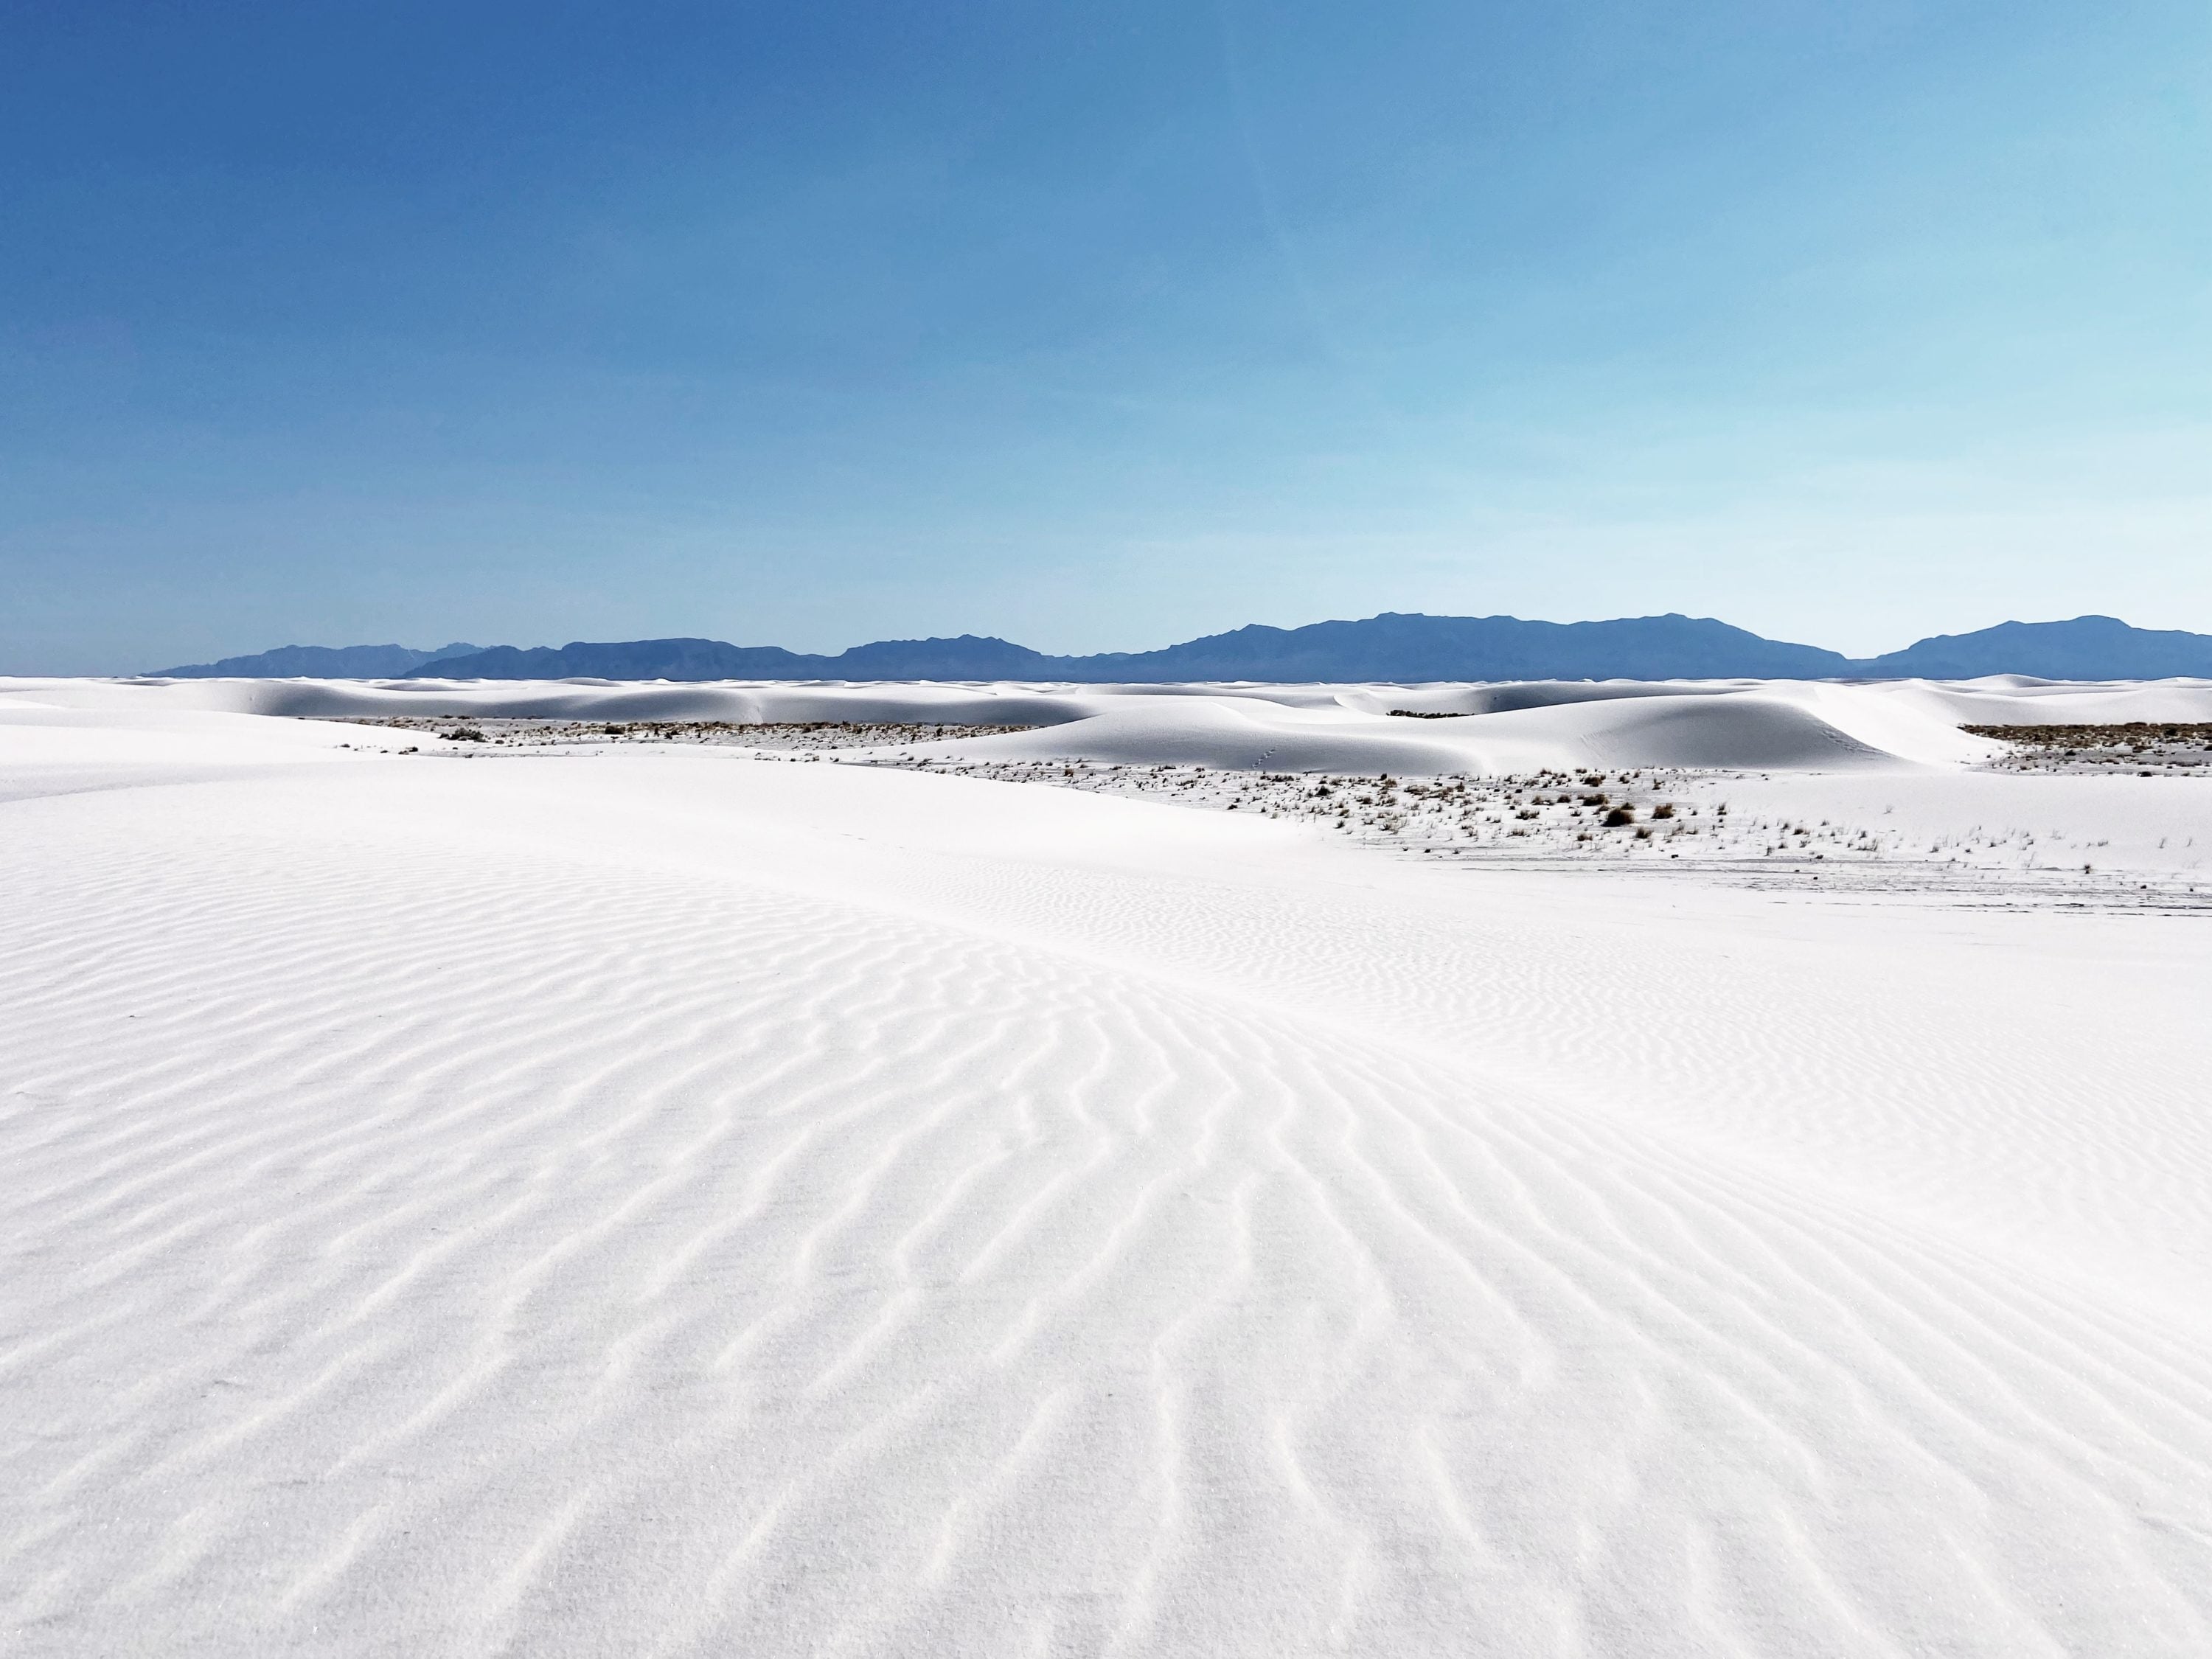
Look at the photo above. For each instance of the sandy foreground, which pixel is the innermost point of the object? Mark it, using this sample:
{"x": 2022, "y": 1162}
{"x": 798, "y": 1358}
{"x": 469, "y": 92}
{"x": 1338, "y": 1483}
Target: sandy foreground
{"x": 655, "y": 1200}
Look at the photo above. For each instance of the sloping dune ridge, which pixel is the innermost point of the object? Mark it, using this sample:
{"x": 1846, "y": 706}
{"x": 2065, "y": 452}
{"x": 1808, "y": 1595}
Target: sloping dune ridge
{"x": 1708, "y": 723}
{"x": 665, "y": 1201}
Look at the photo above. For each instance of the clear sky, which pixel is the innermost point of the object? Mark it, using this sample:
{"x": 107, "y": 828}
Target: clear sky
{"x": 1094, "y": 326}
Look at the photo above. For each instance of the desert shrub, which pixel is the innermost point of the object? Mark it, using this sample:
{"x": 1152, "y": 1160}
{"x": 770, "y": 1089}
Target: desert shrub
{"x": 1665, "y": 809}
{"x": 463, "y": 734}
{"x": 1618, "y": 816}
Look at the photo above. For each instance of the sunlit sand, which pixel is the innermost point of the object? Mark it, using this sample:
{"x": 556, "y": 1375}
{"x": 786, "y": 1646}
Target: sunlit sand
{"x": 563, "y": 1192}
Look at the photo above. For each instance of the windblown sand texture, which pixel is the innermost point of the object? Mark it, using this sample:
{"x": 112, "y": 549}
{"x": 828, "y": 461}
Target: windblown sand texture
{"x": 653, "y": 1199}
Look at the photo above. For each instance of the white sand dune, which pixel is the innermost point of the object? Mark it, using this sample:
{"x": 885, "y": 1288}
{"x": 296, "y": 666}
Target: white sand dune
{"x": 668, "y": 1202}
{"x": 1741, "y": 729}
{"x": 1768, "y": 723}
{"x": 1504, "y": 728}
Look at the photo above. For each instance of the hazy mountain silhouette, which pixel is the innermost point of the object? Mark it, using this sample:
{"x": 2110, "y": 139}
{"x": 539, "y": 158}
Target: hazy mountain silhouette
{"x": 1385, "y": 647}
{"x": 2086, "y": 648}
{"x": 324, "y": 662}
{"x": 1390, "y": 647}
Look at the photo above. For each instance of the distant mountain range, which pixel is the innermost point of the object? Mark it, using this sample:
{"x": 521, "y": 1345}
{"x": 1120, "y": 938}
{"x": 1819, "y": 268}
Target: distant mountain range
{"x": 1390, "y": 647}
{"x": 321, "y": 662}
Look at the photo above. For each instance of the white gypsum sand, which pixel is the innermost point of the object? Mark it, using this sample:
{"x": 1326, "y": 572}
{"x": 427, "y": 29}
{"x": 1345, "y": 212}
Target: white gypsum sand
{"x": 643, "y": 1198}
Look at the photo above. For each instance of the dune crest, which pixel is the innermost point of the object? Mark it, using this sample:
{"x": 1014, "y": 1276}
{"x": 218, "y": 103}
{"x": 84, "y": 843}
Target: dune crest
{"x": 1799, "y": 724}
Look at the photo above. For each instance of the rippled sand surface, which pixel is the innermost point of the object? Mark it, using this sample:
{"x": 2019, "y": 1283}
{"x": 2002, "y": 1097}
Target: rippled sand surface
{"x": 673, "y": 1203}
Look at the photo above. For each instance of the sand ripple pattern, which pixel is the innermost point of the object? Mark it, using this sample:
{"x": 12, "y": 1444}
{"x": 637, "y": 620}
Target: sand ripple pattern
{"x": 406, "y": 1251}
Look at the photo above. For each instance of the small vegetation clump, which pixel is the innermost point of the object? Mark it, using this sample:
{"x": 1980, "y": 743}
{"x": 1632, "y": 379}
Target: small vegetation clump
{"x": 1619, "y": 816}
{"x": 523, "y": 732}
{"x": 2172, "y": 746}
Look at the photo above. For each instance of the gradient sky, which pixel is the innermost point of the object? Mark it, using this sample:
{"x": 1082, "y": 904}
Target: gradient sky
{"x": 1094, "y": 327}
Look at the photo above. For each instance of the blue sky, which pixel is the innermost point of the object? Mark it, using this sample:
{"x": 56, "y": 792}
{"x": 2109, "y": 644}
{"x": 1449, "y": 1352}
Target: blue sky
{"x": 1094, "y": 327}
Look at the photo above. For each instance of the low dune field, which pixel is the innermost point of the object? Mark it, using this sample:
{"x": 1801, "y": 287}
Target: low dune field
{"x": 580, "y": 1169}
